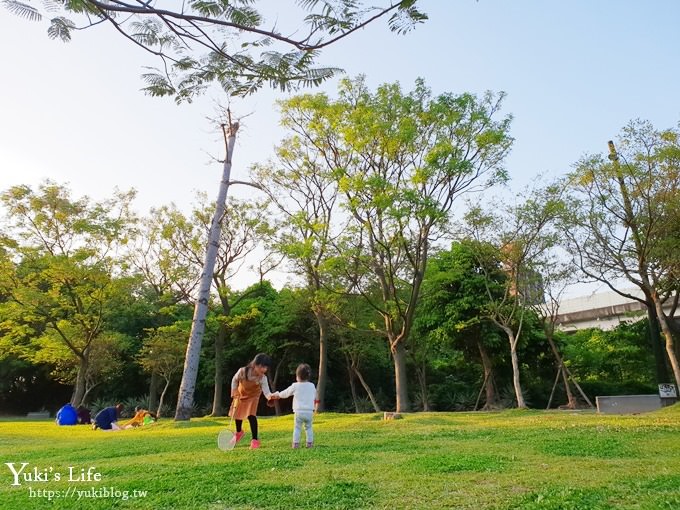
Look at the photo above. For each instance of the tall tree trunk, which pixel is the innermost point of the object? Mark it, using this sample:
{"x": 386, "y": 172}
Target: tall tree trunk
{"x": 421, "y": 373}
{"x": 400, "y": 379}
{"x": 187, "y": 387}
{"x": 487, "y": 365}
{"x": 554, "y": 386}
{"x": 218, "y": 395}
{"x": 660, "y": 369}
{"x": 153, "y": 390}
{"x": 353, "y": 390}
{"x": 648, "y": 289}
{"x": 160, "y": 401}
{"x": 275, "y": 382}
{"x": 323, "y": 359}
{"x": 79, "y": 388}
{"x": 668, "y": 335}
{"x": 515, "y": 368}
{"x": 88, "y": 389}
{"x": 578, "y": 386}
{"x": 367, "y": 389}
{"x": 352, "y": 382}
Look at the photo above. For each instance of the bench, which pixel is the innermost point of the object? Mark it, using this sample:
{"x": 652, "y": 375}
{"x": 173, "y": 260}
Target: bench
{"x": 38, "y": 415}
{"x": 628, "y": 404}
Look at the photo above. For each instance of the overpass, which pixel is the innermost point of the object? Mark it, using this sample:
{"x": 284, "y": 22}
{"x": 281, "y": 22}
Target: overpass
{"x": 603, "y": 310}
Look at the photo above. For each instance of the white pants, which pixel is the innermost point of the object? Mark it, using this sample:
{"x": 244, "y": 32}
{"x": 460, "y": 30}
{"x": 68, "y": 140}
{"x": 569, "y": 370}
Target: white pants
{"x": 303, "y": 418}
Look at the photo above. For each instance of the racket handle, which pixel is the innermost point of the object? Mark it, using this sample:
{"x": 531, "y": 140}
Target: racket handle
{"x": 234, "y": 403}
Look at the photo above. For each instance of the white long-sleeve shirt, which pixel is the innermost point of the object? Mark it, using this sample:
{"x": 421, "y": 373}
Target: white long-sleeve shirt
{"x": 241, "y": 375}
{"x": 304, "y": 394}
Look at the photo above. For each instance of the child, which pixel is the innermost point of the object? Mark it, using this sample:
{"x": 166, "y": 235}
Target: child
{"x": 141, "y": 417}
{"x": 247, "y": 385}
{"x": 84, "y": 415}
{"x": 304, "y": 403}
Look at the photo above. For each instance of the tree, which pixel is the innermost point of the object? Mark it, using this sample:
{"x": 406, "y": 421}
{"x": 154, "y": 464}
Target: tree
{"x": 401, "y": 160}
{"x": 185, "y": 399}
{"x": 304, "y": 192}
{"x": 170, "y": 35}
{"x": 241, "y": 237}
{"x": 611, "y": 362}
{"x": 360, "y": 345}
{"x": 557, "y": 274}
{"x": 64, "y": 274}
{"x": 163, "y": 353}
{"x": 160, "y": 259}
{"x": 185, "y": 236}
{"x": 104, "y": 360}
{"x": 453, "y": 308}
{"x": 520, "y": 236}
{"x": 621, "y": 223}
{"x": 281, "y": 326}
{"x": 229, "y": 42}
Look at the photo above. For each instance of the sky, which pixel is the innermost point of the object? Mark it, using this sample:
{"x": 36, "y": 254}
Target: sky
{"x": 574, "y": 72}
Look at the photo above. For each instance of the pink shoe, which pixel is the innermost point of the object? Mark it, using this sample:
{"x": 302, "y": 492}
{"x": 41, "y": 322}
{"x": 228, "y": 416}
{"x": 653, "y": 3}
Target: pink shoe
{"x": 237, "y": 437}
{"x": 310, "y": 445}
{"x": 296, "y": 445}
{"x": 254, "y": 444}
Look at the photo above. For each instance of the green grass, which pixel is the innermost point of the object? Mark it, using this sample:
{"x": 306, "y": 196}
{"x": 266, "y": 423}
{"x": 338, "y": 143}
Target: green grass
{"x": 509, "y": 460}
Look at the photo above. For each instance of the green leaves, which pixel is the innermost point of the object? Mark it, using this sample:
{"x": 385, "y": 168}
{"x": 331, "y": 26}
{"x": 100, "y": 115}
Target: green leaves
{"x": 223, "y": 42}
{"x": 22, "y": 9}
{"x": 58, "y": 280}
{"x": 163, "y": 351}
{"x": 621, "y": 219}
{"x": 406, "y": 18}
{"x": 60, "y": 28}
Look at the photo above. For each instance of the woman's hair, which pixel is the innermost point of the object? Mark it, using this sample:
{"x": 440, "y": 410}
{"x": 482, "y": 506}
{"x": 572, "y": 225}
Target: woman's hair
{"x": 262, "y": 359}
{"x": 303, "y": 372}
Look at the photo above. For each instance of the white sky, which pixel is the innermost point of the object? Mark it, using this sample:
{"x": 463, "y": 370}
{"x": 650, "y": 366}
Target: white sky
{"x": 575, "y": 73}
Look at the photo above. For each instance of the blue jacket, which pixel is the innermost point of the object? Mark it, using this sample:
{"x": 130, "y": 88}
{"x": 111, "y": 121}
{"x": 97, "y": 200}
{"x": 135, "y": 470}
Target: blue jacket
{"x": 67, "y": 415}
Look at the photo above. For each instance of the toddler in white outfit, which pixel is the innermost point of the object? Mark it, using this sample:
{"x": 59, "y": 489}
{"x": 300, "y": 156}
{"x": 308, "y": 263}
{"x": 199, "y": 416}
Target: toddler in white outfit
{"x": 304, "y": 403}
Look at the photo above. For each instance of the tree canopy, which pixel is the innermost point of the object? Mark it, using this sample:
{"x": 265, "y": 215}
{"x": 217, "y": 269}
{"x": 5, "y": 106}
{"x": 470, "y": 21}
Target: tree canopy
{"x": 241, "y": 45}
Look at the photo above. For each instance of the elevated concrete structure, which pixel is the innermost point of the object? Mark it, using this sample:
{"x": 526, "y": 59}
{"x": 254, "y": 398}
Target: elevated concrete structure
{"x": 604, "y": 310}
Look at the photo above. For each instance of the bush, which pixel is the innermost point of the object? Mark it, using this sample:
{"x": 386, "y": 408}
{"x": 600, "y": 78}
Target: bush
{"x": 601, "y": 388}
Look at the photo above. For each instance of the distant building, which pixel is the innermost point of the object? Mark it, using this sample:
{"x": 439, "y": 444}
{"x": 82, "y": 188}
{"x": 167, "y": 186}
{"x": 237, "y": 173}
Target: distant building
{"x": 604, "y": 310}
{"x": 530, "y": 281}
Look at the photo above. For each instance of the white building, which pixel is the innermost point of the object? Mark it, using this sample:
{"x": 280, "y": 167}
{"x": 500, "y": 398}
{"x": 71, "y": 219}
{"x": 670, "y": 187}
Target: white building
{"x": 604, "y": 310}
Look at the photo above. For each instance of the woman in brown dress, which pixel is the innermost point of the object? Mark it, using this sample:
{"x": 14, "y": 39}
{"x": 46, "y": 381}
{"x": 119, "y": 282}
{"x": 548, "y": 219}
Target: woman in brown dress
{"x": 247, "y": 385}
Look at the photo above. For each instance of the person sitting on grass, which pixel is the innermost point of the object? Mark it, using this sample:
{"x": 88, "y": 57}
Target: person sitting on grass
{"x": 141, "y": 417}
{"x": 304, "y": 404}
{"x": 67, "y": 415}
{"x": 247, "y": 385}
{"x": 106, "y": 418}
{"x": 84, "y": 415}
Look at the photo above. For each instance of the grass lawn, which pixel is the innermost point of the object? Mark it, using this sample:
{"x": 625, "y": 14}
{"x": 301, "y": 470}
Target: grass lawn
{"x": 512, "y": 459}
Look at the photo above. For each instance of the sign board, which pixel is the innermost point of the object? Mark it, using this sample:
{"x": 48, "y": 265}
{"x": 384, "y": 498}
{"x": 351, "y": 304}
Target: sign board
{"x": 667, "y": 391}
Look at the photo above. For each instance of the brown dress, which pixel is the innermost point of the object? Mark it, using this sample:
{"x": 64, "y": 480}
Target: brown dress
{"x": 248, "y": 397}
